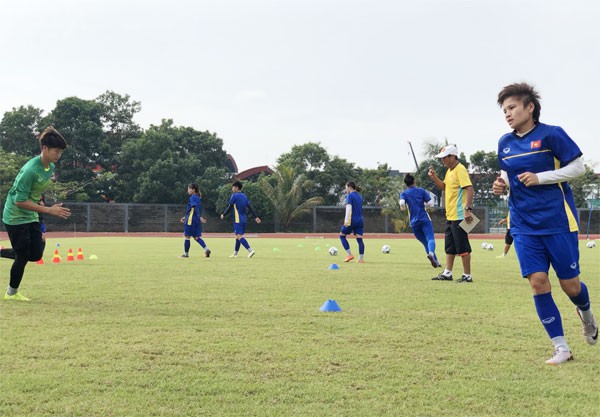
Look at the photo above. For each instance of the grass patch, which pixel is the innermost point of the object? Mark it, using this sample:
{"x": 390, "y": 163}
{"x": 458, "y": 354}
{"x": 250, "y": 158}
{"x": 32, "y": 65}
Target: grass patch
{"x": 139, "y": 332}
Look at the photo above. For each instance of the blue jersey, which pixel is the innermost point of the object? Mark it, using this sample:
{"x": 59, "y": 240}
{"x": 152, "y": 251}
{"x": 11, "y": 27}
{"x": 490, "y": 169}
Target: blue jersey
{"x": 240, "y": 203}
{"x": 194, "y": 210}
{"x": 355, "y": 200}
{"x": 415, "y": 198}
{"x": 540, "y": 209}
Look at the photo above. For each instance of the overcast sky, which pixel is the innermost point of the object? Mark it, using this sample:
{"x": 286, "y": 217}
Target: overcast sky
{"x": 360, "y": 77}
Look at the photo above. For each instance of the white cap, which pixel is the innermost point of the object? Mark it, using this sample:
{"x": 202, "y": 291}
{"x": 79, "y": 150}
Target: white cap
{"x": 447, "y": 150}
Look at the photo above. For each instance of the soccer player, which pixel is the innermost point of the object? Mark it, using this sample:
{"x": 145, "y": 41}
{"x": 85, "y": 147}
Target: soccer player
{"x": 353, "y": 222}
{"x": 21, "y": 210}
{"x": 457, "y": 201}
{"x": 416, "y": 199}
{"x": 240, "y": 203}
{"x": 508, "y": 239}
{"x": 193, "y": 222}
{"x": 536, "y": 161}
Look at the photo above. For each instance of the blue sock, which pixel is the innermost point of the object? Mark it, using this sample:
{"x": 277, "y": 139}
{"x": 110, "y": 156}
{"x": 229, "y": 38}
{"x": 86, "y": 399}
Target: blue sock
{"x": 361, "y": 246}
{"x": 431, "y": 245}
{"x": 237, "y": 246}
{"x": 201, "y": 242}
{"x": 186, "y": 246}
{"x": 582, "y": 300}
{"x": 548, "y": 314}
{"x": 345, "y": 243}
{"x": 245, "y": 243}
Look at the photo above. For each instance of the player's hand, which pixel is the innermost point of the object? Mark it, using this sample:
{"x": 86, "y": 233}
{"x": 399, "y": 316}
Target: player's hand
{"x": 59, "y": 211}
{"x": 202, "y": 220}
{"x": 257, "y": 220}
{"x": 182, "y": 219}
{"x": 431, "y": 173}
{"x": 528, "y": 179}
{"x": 222, "y": 217}
{"x": 499, "y": 186}
{"x": 468, "y": 216}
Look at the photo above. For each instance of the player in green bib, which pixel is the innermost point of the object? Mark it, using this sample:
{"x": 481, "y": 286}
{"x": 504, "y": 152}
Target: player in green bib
{"x": 21, "y": 210}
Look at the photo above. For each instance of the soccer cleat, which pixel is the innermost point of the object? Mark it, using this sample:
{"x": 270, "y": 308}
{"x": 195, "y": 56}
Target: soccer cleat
{"x": 251, "y": 254}
{"x": 464, "y": 278}
{"x": 560, "y": 356}
{"x": 16, "y": 296}
{"x": 234, "y": 255}
{"x": 434, "y": 262}
{"x": 349, "y": 258}
{"x": 442, "y": 277}
{"x": 207, "y": 253}
{"x": 185, "y": 255}
{"x": 360, "y": 261}
{"x": 589, "y": 329}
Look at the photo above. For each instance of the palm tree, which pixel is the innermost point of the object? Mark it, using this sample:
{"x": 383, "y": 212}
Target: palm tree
{"x": 285, "y": 189}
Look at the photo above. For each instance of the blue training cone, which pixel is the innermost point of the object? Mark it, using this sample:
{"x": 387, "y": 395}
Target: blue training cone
{"x": 334, "y": 266}
{"x": 330, "y": 306}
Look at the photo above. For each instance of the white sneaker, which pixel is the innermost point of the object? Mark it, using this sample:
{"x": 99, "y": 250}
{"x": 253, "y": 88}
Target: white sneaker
{"x": 589, "y": 329}
{"x": 233, "y": 255}
{"x": 560, "y": 356}
{"x": 251, "y": 254}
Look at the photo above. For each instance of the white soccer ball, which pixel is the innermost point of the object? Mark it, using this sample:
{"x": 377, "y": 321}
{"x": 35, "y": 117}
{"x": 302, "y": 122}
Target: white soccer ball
{"x": 591, "y": 244}
{"x": 333, "y": 251}
{"x": 490, "y": 246}
{"x": 484, "y": 245}
{"x": 386, "y": 248}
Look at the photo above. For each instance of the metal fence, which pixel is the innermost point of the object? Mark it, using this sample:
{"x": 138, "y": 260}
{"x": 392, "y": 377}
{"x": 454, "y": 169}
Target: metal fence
{"x": 134, "y": 218}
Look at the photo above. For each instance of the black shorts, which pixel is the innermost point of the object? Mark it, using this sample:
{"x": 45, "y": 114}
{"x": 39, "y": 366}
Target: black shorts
{"x": 27, "y": 240}
{"x": 508, "y": 239}
{"x": 457, "y": 240}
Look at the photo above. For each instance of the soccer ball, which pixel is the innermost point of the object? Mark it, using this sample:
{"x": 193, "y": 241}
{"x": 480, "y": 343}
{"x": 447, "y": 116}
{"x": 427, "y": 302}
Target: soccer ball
{"x": 484, "y": 245}
{"x": 333, "y": 251}
{"x": 386, "y": 249}
{"x": 490, "y": 246}
{"x": 591, "y": 244}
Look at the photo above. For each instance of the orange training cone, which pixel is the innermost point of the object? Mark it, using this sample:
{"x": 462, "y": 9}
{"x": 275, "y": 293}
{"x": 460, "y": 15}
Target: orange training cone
{"x": 70, "y": 257}
{"x": 80, "y": 254}
{"x": 40, "y": 262}
{"x": 56, "y": 257}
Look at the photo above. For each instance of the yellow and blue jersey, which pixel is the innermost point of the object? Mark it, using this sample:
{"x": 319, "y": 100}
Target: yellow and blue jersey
{"x": 240, "y": 204}
{"x": 415, "y": 198}
{"x": 355, "y": 200}
{"x": 455, "y": 196}
{"x": 194, "y": 210}
{"x": 541, "y": 209}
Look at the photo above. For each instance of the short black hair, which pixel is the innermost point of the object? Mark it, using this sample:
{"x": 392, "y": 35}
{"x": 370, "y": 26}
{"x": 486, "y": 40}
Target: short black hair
{"x": 524, "y": 92}
{"x": 237, "y": 184}
{"x": 409, "y": 180}
{"x": 51, "y": 138}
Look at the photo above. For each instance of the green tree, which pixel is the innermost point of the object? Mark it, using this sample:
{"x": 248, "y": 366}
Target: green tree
{"x": 375, "y": 184}
{"x": 285, "y": 190}
{"x": 118, "y": 125}
{"x": 9, "y": 168}
{"x": 329, "y": 174}
{"x": 157, "y": 167}
{"x": 485, "y": 168}
{"x": 584, "y": 185}
{"x": 19, "y": 129}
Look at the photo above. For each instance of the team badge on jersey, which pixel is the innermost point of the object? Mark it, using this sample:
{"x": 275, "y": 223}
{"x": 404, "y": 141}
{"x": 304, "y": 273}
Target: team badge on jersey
{"x": 536, "y": 144}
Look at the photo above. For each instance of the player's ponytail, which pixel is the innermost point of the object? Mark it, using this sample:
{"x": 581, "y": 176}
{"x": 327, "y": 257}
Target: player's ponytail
{"x": 353, "y": 185}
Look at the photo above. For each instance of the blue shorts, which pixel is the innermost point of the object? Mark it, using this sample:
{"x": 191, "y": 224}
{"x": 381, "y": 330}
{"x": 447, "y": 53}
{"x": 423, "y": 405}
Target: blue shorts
{"x": 194, "y": 230}
{"x": 356, "y": 229}
{"x": 239, "y": 228}
{"x": 537, "y": 253}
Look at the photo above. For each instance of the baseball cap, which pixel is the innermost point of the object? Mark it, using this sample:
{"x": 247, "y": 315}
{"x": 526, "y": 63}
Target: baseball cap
{"x": 447, "y": 150}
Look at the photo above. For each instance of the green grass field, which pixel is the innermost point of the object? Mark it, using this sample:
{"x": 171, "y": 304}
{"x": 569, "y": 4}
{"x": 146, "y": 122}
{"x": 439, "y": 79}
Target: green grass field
{"x": 139, "y": 332}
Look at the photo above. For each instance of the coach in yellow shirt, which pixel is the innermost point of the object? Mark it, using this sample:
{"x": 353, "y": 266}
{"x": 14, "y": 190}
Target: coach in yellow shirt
{"x": 458, "y": 201}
